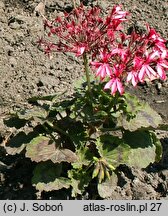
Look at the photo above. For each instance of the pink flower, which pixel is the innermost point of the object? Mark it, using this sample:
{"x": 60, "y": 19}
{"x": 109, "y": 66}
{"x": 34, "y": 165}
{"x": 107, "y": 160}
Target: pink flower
{"x": 115, "y": 85}
{"x": 123, "y": 53}
{"x": 133, "y": 77}
{"x": 161, "y": 65}
{"x": 79, "y": 50}
{"x": 116, "y": 17}
{"x": 161, "y": 71}
{"x": 154, "y": 37}
{"x": 146, "y": 68}
{"x": 118, "y": 14}
{"x": 103, "y": 67}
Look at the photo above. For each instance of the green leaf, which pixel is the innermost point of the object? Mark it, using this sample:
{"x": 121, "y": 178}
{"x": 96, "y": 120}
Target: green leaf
{"x": 107, "y": 189}
{"x": 17, "y": 143}
{"x": 137, "y": 149}
{"x": 141, "y": 158}
{"x": 46, "y": 177}
{"x": 45, "y": 98}
{"x": 64, "y": 155}
{"x": 39, "y": 149}
{"x": 132, "y": 103}
{"x": 62, "y": 106}
{"x": 112, "y": 149}
{"x": 29, "y": 114}
{"x": 57, "y": 184}
{"x": 46, "y": 172}
{"x": 138, "y": 139}
{"x": 142, "y": 151}
{"x": 77, "y": 133}
{"x": 84, "y": 157}
{"x": 42, "y": 149}
{"x": 158, "y": 146}
{"x": 80, "y": 179}
{"x": 101, "y": 114}
{"x": 163, "y": 127}
{"x": 146, "y": 117}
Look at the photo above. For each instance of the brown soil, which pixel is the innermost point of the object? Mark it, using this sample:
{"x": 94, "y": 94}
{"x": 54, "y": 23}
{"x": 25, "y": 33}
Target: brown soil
{"x": 25, "y": 71}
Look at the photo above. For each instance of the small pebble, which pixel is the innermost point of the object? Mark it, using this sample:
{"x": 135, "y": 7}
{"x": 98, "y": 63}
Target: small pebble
{"x": 159, "y": 86}
{"x": 13, "y": 61}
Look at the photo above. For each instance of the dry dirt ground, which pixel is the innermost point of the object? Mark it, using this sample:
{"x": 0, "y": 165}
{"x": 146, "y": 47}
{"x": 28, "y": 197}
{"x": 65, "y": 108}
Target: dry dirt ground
{"x": 25, "y": 71}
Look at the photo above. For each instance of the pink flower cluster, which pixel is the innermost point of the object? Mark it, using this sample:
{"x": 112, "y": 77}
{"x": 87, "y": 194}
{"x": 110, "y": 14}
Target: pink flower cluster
{"x": 82, "y": 30}
{"x": 118, "y": 58}
{"x": 133, "y": 58}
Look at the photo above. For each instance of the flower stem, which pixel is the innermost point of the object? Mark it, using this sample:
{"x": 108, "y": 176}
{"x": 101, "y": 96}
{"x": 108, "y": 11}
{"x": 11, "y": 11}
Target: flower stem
{"x": 86, "y": 67}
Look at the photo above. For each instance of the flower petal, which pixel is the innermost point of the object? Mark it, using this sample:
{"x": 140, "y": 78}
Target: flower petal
{"x": 129, "y": 76}
{"x": 99, "y": 71}
{"x": 80, "y": 50}
{"x": 108, "y": 70}
{"x": 109, "y": 84}
{"x": 161, "y": 72}
{"x": 134, "y": 81}
{"x": 120, "y": 86}
{"x": 151, "y": 70}
{"x": 142, "y": 73}
{"x": 114, "y": 87}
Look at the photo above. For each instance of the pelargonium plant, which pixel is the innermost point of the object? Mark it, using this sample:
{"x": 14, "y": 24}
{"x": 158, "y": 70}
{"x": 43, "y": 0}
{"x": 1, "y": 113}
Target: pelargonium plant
{"x": 96, "y": 129}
